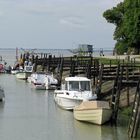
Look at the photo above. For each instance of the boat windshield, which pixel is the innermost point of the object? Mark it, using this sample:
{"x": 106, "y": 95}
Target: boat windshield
{"x": 79, "y": 85}
{"x": 74, "y": 85}
{"x": 85, "y": 85}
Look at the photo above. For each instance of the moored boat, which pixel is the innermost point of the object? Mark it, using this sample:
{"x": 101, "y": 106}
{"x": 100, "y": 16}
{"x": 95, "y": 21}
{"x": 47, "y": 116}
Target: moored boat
{"x": 24, "y": 73}
{"x": 51, "y": 82}
{"x": 38, "y": 80}
{"x": 14, "y": 71}
{"x": 41, "y": 80}
{"x": 21, "y": 75}
{"x": 97, "y": 112}
{"x": 73, "y": 92}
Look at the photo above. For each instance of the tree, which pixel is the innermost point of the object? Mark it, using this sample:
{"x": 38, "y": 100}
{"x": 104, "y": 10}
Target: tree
{"x": 126, "y": 17}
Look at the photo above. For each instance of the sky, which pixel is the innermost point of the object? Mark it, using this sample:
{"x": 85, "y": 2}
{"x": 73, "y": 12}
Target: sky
{"x": 55, "y": 24}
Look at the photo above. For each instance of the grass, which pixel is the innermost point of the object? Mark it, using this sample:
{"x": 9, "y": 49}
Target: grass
{"x": 126, "y": 111}
{"x": 107, "y": 61}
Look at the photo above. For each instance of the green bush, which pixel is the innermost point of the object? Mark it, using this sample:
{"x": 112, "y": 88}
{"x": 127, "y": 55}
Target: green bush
{"x": 121, "y": 48}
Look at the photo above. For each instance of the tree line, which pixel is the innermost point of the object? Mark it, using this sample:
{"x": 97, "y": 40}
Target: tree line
{"x": 126, "y": 17}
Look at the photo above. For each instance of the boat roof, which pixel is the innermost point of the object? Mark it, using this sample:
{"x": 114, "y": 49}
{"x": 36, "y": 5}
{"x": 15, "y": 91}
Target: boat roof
{"x": 77, "y": 79}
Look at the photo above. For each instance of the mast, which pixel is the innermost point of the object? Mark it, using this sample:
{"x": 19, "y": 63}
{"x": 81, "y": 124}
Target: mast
{"x": 16, "y": 54}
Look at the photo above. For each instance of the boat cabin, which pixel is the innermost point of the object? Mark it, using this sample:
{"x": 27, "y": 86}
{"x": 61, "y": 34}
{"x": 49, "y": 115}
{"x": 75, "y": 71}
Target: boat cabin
{"x": 77, "y": 84}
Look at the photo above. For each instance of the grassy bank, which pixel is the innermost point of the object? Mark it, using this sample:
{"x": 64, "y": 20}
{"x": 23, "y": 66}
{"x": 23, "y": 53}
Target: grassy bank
{"x": 108, "y": 61}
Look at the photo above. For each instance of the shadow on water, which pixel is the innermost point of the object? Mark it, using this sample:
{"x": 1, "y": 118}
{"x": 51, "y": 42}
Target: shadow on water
{"x": 2, "y": 103}
{"x": 104, "y": 132}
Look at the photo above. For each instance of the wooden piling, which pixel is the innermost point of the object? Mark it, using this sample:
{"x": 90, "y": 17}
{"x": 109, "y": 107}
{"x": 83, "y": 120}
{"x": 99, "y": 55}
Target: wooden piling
{"x": 116, "y": 94}
{"x": 135, "y": 117}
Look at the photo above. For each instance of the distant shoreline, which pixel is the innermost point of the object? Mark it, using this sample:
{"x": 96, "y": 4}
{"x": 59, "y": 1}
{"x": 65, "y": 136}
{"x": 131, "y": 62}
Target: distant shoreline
{"x": 136, "y": 57}
{"x": 94, "y": 50}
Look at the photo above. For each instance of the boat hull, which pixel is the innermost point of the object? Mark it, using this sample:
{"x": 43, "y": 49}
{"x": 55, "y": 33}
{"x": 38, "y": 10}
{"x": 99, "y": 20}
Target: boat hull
{"x": 39, "y": 87}
{"x": 66, "y": 103}
{"x": 97, "y": 112}
{"x": 14, "y": 72}
{"x": 23, "y": 75}
{"x": 50, "y": 87}
{"x": 96, "y": 116}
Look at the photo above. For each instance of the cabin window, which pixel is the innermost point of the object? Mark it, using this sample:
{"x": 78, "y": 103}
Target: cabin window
{"x": 74, "y": 85}
{"x": 85, "y": 85}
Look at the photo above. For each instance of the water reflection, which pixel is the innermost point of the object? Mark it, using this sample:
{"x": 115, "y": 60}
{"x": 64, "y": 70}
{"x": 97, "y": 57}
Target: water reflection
{"x": 87, "y": 130}
{"x": 30, "y": 114}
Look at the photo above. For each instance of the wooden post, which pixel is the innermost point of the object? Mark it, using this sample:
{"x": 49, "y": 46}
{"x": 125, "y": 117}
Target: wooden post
{"x": 99, "y": 82}
{"x": 21, "y": 56}
{"x": 116, "y": 94}
{"x": 36, "y": 63}
{"x": 135, "y": 118}
{"x": 33, "y": 59}
{"x": 16, "y": 54}
{"x": 123, "y": 61}
{"x": 94, "y": 77}
{"x": 127, "y": 88}
{"x": 110, "y": 63}
{"x": 41, "y": 55}
{"x": 72, "y": 67}
{"x": 60, "y": 72}
{"x": 49, "y": 62}
{"x": 43, "y": 63}
{"x": 96, "y": 68}
{"x": 89, "y": 65}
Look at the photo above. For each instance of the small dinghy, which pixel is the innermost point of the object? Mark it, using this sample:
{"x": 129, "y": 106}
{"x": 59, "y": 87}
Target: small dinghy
{"x": 97, "y": 112}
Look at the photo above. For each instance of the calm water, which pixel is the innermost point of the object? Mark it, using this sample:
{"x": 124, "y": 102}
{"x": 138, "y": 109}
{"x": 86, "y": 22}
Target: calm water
{"x": 28, "y": 114}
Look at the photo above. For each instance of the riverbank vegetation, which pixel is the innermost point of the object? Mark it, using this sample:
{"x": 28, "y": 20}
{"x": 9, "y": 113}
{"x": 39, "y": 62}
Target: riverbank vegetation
{"x": 107, "y": 61}
{"x": 126, "y": 17}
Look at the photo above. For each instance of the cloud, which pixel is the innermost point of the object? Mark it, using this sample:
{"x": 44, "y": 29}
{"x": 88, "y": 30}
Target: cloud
{"x": 1, "y": 13}
{"x": 39, "y": 9}
{"x": 74, "y": 21}
{"x": 63, "y": 6}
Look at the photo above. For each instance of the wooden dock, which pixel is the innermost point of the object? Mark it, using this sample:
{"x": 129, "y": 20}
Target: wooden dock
{"x": 123, "y": 75}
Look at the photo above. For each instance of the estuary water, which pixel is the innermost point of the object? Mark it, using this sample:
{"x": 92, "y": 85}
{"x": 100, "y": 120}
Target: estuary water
{"x": 29, "y": 114}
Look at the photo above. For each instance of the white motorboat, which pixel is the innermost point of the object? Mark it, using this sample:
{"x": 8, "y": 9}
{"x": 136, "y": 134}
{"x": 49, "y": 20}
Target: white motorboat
{"x": 97, "y": 112}
{"x": 41, "y": 80}
{"x": 50, "y": 82}
{"x": 73, "y": 92}
{"x": 38, "y": 80}
{"x": 21, "y": 75}
{"x": 24, "y": 73}
{"x": 14, "y": 71}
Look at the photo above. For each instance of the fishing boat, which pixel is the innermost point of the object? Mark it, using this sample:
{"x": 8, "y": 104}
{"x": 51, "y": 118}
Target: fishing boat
{"x": 97, "y": 112}
{"x": 73, "y": 92}
{"x": 41, "y": 80}
{"x": 24, "y": 73}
